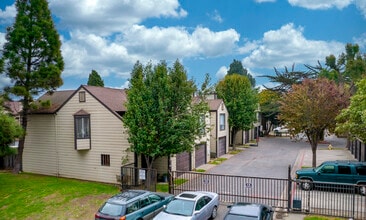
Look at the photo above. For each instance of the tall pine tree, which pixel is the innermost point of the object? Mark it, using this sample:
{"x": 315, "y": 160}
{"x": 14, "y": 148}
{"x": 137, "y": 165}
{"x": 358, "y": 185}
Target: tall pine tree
{"x": 95, "y": 79}
{"x": 32, "y": 58}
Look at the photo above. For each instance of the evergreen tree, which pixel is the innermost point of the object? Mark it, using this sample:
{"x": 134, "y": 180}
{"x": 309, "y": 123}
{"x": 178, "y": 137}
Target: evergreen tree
{"x": 32, "y": 58}
{"x": 95, "y": 79}
{"x": 236, "y": 67}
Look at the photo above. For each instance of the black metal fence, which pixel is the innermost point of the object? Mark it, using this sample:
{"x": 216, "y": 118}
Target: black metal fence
{"x": 341, "y": 200}
{"x": 7, "y": 162}
{"x": 283, "y": 194}
{"x": 138, "y": 178}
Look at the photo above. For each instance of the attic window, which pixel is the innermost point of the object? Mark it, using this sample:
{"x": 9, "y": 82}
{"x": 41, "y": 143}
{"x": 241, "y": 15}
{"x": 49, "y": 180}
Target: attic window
{"x": 82, "y": 96}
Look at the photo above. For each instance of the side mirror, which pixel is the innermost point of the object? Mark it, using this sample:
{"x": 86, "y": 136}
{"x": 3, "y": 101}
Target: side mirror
{"x": 197, "y": 212}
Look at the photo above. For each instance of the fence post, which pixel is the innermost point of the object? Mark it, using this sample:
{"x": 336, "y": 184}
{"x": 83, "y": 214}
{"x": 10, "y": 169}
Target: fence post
{"x": 289, "y": 192}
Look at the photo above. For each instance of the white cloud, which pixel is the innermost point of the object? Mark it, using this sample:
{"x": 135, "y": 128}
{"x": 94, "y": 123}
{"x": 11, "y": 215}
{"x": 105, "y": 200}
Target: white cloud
{"x": 361, "y": 5}
{"x": 286, "y": 46}
{"x": 216, "y": 16}
{"x": 7, "y": 16}
{"x": 221, "y": 73}
{"x": 84, "y": 52}
{"x": 323, "y": 4}
{"x": 176, "y": 42}
{"x": 99, "y": 16}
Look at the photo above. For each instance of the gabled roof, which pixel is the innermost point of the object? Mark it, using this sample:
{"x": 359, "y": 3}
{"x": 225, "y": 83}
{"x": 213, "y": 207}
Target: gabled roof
{"x": 214, "y": 104}
{"x": 57, "y": 100}
{"x": 112, "y": 99}
{"x": 14, "y": 108}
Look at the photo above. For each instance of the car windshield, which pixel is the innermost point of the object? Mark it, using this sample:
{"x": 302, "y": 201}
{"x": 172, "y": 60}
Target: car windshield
{"x": 112, "y": 209}
{"x": 240, "y": 217}
{"x": 180, "y": 207}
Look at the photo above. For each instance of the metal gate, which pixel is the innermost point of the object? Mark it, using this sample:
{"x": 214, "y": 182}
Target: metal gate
{"x": 339, "y": 200}
{"x": 234, "y": 188}
{"x": 138, "y": 178}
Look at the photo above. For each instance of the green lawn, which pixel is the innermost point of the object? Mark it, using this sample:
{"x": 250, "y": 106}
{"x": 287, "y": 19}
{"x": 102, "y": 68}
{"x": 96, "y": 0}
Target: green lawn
{"x": 29, "y": 196}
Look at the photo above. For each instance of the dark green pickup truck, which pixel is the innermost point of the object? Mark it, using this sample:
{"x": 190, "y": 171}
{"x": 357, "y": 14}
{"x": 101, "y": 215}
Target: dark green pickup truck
{"x": 349, "y": 172}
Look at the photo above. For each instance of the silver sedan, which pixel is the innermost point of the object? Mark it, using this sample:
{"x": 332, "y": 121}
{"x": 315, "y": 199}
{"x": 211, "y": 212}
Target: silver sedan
{"x": 199, "y": 205}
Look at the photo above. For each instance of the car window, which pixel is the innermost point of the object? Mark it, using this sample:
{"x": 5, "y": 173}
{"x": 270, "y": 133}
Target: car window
{"x": 207, "y": 199}
{"x": 112, "y": 209}
{"x": 180, "y": 207}
{"x": 132, "y": 207}
{"x": 154, "y": 198}
{"x": 344, "y": 169}
{"x": 200, "y": 204}
{"x": 328, "y": 169}
{"x": 361, "y": 170}
{"x": 144, "y": 202}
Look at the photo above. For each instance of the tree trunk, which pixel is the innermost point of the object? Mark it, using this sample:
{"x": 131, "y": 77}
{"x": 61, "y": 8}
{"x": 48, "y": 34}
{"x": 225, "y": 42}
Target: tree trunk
{"x": 313, "y": 149}
{"x": 233, "y": 137}
{"x": 18, "y": 167}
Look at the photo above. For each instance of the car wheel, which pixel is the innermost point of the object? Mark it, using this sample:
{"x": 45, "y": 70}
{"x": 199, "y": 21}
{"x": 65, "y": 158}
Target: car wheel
{"x": 306, "y": 185}
{"x": 214, "y": 212}
{"x": 362, "y": 190}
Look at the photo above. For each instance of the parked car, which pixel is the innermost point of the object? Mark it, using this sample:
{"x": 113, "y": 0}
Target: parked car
{"x": 347, "y": 172}
{"x": 198, "y": 205}
{"x": 249, "y": 211}
{"x": 133, "y": 204}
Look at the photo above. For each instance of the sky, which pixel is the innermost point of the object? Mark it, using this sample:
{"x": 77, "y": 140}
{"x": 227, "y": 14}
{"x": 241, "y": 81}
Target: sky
{"x": 110, "y": 36}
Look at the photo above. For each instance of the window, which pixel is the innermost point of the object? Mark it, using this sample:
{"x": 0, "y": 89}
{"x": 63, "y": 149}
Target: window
{"x": 82, "y": 126}
{"x": 344, "y": 170}
{"x": 328, "y": 169}
{"x": 82, "y": 97}
{"x": 203, "y": 124}
{"x": 222, "y": 122}
{"x": 105, "y": 160}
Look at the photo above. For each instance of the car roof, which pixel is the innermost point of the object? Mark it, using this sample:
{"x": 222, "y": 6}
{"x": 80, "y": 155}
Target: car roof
{"x": 193, "y": 195}
{"x": 248, "y": 209}
{"x": 127, "y": 196}
{"x": 344, "y": 162}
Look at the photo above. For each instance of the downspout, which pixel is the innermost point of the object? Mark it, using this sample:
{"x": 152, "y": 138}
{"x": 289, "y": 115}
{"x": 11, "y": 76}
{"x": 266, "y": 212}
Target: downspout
{"x": 56, "y": 146}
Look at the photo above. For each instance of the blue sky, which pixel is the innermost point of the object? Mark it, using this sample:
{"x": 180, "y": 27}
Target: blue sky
{"x": 205, "y": 35}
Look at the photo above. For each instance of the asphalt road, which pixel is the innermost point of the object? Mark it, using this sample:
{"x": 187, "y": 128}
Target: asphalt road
{"x": 271, "y": 158}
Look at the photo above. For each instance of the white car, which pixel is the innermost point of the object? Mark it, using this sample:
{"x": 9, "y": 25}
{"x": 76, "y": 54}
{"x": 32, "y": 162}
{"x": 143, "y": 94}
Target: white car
{"x": 281, "y": 129}
{"x": 200, "y": 205}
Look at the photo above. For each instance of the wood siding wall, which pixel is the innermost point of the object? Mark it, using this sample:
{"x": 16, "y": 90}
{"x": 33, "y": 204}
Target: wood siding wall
{"x": 52, "y": 150}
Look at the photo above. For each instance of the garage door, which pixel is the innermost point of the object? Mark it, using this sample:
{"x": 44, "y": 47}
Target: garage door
{"x": 222, "y": 146}
{"x": 184, "y": 161}
{"x": 200, "y": 158}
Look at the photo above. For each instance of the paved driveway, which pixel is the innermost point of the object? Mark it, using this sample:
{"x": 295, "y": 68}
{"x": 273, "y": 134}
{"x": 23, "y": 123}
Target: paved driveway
{"x": 270, "y": 159}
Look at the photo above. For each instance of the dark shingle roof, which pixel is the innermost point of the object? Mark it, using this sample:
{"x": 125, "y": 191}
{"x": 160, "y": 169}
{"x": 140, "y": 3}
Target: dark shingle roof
{"x": 14, "y": 108}
{"x": 214, "y": 104}
{"x": 112, "y": 99}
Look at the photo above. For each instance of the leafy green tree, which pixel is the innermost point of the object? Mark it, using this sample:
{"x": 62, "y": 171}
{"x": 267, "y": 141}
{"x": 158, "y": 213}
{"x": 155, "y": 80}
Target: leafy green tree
{"x": 236, "y": 67}
{"x": 352, "y": 120}
{"x": 32, "y": 58}
{"x": 311, "y": 107}
{"x": 95, "y": 79}
{"x": 9, "y": 130}
{"x": 241, "y": 101}
{"x": 162, "y": 118}
{"x": 269, "y": 106}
